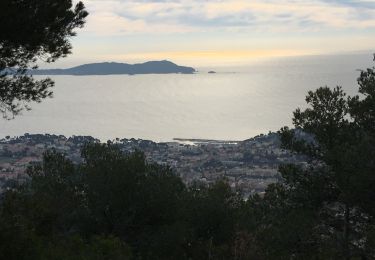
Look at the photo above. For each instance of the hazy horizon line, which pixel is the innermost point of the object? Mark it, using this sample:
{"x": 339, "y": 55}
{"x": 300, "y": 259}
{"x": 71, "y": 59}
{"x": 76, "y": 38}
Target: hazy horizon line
{"x": 209, "y": 62}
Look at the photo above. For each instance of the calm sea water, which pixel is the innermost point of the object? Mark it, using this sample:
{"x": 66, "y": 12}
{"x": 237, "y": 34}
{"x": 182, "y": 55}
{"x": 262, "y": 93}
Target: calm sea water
{"x": 233, "y": 104}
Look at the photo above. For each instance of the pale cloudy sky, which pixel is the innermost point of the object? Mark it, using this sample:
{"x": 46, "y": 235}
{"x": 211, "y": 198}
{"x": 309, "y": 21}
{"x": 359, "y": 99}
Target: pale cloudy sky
{"x": 209, "y": 32}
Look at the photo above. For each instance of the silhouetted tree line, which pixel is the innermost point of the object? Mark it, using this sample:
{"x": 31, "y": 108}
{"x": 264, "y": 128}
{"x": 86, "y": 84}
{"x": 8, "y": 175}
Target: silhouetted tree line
{"x": 33, "y": 31}
{"x": 119, "y": 206}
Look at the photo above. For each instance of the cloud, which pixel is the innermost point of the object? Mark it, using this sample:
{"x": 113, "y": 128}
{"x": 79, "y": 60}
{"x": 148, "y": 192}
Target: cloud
{"x": 117, "y": 17}
{"x": 355, "y": 4}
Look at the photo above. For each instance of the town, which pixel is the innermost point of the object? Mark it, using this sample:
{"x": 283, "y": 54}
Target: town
{"x": 249, "y": 166}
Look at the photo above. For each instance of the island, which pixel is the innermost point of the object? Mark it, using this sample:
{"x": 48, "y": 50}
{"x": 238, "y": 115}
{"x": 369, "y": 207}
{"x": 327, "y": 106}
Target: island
{"x": 112, "y": 68}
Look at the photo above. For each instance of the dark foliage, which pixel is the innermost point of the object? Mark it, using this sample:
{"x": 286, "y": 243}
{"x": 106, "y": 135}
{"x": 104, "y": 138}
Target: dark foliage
{"x": 115, "y": 206}
{"x": 337, "y": 187}
{"x": 32, "y": 30}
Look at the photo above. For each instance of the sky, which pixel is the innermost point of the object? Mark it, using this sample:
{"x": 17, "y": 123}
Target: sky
{"x": 220, "y": 32}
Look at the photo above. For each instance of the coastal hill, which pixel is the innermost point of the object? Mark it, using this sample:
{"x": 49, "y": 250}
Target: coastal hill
{"x": 110, "y": 68}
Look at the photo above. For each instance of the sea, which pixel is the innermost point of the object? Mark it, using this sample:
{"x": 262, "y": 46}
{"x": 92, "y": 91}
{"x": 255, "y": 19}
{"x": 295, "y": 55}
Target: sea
{"x": 235, "y": 103}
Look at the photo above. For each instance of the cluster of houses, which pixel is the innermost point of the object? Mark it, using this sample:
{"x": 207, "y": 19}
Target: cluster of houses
{"x": 248, "y": 166}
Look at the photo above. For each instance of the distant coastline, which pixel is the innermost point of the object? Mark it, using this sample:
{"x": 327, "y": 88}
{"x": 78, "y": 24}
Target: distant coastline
{"x": 114, "y": 68}
{"x": 250, "y": 164}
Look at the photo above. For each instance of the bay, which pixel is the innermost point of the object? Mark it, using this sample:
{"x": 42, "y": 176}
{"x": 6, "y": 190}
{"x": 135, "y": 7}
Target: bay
{"x": 236, "y": 103}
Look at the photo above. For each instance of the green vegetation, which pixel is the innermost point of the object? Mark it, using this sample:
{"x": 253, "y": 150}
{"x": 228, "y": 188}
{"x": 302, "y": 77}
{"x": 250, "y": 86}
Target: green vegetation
{"x": 119, "y": 206}
{"x": 114, "y": 206}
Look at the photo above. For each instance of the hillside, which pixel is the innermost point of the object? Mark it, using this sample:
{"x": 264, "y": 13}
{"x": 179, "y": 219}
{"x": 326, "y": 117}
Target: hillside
{"x": 111, "y": 68}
